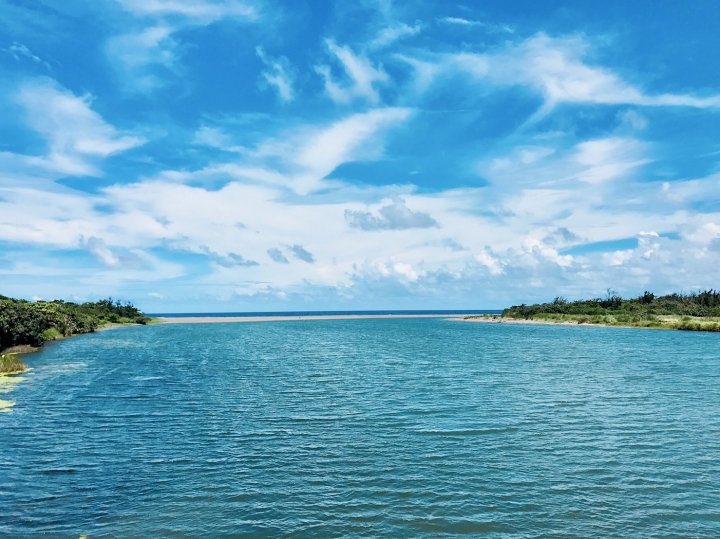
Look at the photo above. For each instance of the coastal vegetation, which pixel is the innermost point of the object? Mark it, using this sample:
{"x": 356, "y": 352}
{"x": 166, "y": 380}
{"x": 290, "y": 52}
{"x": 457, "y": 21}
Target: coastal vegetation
{"x": 26, "y": 325}
{"x": 11, "y": 364}
{"x": 697, "y": 311}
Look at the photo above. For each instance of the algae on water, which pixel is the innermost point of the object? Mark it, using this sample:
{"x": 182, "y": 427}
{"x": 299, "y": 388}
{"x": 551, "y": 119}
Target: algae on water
{"x": 6, "y": 406}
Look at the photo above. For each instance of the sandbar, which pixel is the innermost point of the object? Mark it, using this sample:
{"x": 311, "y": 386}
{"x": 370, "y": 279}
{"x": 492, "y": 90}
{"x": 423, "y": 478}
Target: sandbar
{"x": 522, "y": 321}
{"x": 279, "y": 318}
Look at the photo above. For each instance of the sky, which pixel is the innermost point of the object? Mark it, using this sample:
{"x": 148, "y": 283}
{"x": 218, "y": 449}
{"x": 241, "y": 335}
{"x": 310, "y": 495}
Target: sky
{"x": 266, "y": 155}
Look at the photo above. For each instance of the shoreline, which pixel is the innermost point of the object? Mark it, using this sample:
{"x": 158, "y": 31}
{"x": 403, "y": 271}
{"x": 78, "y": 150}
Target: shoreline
{"x": 280, "y": 318}
{"x": 523, "y": 322}
{"x": 668, "y": 323}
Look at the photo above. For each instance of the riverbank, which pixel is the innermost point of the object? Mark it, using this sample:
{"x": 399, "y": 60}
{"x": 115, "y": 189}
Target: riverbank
{"x": 12, "y": 364}
{"x": 669, "y": 322}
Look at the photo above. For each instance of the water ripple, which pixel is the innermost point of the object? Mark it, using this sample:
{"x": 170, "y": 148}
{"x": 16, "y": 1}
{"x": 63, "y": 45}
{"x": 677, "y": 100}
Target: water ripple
{"x": 365, "y": 428}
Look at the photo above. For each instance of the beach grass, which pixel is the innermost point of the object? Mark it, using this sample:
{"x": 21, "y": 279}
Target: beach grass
{"x": 11, "y": 364}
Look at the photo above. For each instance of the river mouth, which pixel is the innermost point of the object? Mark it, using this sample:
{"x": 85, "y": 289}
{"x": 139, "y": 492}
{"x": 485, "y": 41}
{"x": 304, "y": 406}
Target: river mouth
{"x": 366, "y": 427}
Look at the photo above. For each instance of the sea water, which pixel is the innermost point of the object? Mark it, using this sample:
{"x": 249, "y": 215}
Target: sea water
{"x": 365, "y": 428}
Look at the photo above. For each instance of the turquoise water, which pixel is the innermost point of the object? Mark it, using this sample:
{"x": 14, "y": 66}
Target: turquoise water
{"x": 373, "y": 428}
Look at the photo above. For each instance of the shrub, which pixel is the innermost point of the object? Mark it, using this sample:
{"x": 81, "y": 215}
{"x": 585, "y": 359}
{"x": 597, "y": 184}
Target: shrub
{"x": 10, "y": 363}
{"x": 24, "y": 323}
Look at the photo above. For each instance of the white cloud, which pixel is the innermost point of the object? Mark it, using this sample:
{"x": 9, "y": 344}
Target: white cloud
{"x": 490, "y": 262}
{"x": 278, "y": 75}
{"x": 458, "y": 20}
{"x": 303, "y": 234}
{"x": 20, "y": 52}
{"x": 362, "y": 75}
{"x": 203, "y": 11}
{"x": 112, "y": 258}
{"x": 138, "y": 54}
{"x": 597, "y": 161}
{"x": 299, "y": 159}
{"x": 352, "y": 263}
{"x": 351, "y": 139}
{"x": 554, "y": 67}
{"x": 608, "y": 158}
{"x": 76, "y": 135}
{"x": 489, "y": 27}
{"x": 394, "y": 216}
{"x": 391, "y": 34}
{"x": 143, "y": 57}
{"x": 215, "y": 138}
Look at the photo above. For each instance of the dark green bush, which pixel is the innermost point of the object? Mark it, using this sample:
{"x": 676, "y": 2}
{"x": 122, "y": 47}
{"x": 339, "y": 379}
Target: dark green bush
{"x": 22, "y": 322}
{"x": 646, "y": 307}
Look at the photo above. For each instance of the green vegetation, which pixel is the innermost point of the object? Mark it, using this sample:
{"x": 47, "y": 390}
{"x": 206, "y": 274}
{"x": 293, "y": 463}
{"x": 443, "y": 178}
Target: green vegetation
{"x": 689, "y": 312}
{"x": 31, "y": 324}
{"x": 11, "y": 364}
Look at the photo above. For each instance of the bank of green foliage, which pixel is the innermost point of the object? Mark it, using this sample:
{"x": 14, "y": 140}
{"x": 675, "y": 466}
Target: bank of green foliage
{"x": 26, "y": 323}
{"x": 645, "y": 308}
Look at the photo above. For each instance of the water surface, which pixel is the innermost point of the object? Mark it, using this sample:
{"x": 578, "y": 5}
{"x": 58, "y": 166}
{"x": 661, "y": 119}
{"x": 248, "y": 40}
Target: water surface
{"x": 365, "y": 428}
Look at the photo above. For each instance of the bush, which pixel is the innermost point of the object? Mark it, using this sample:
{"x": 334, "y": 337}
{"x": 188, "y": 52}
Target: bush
{"x": 20, "y": 323}
{"x": 24, "y": 323}
{"x": 10, "y": 363}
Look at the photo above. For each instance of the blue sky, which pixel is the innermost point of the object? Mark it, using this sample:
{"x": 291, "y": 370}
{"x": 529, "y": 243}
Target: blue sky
{"x": 230, "y": 155}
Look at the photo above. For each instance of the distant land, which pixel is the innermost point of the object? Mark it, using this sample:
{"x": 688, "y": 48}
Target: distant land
{"x": 699, "y": 311}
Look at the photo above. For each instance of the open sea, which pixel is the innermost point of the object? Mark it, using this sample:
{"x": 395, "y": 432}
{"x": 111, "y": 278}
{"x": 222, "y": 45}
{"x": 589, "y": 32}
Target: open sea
{"x": 365, "y": 428}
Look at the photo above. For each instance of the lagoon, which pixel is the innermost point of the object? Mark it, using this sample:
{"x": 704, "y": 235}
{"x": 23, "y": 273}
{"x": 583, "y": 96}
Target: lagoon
{"x": 365, "y": 428}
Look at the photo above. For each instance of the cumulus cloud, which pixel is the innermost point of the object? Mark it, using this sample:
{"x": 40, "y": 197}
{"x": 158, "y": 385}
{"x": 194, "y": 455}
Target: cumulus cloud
{"x": 361, "y": 76}
{"x": 203, "y": 221}
{"x": 279, "y": 75}
{"x": 561, "y": 236}
{"x": 394, "y": 216}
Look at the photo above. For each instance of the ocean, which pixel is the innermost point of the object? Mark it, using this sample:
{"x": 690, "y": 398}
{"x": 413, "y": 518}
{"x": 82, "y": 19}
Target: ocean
{"x": 365, "y": 428}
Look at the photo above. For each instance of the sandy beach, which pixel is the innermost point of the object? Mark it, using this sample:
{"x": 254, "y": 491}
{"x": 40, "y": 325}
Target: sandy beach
{"x": 498, "y": 320}
{"x": 226, "y": 319}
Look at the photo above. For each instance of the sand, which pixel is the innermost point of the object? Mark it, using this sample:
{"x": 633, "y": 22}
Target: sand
{"x": 226, "y": 319}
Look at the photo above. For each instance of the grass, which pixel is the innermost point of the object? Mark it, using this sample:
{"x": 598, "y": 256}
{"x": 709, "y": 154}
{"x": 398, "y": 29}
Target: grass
{"x": 11, "y": 364}
{"x": 52, "y": 334}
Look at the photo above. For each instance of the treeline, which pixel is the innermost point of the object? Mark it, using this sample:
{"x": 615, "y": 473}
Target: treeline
{"x": 26, "y": 323}
{"x": 700, "y": 304}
